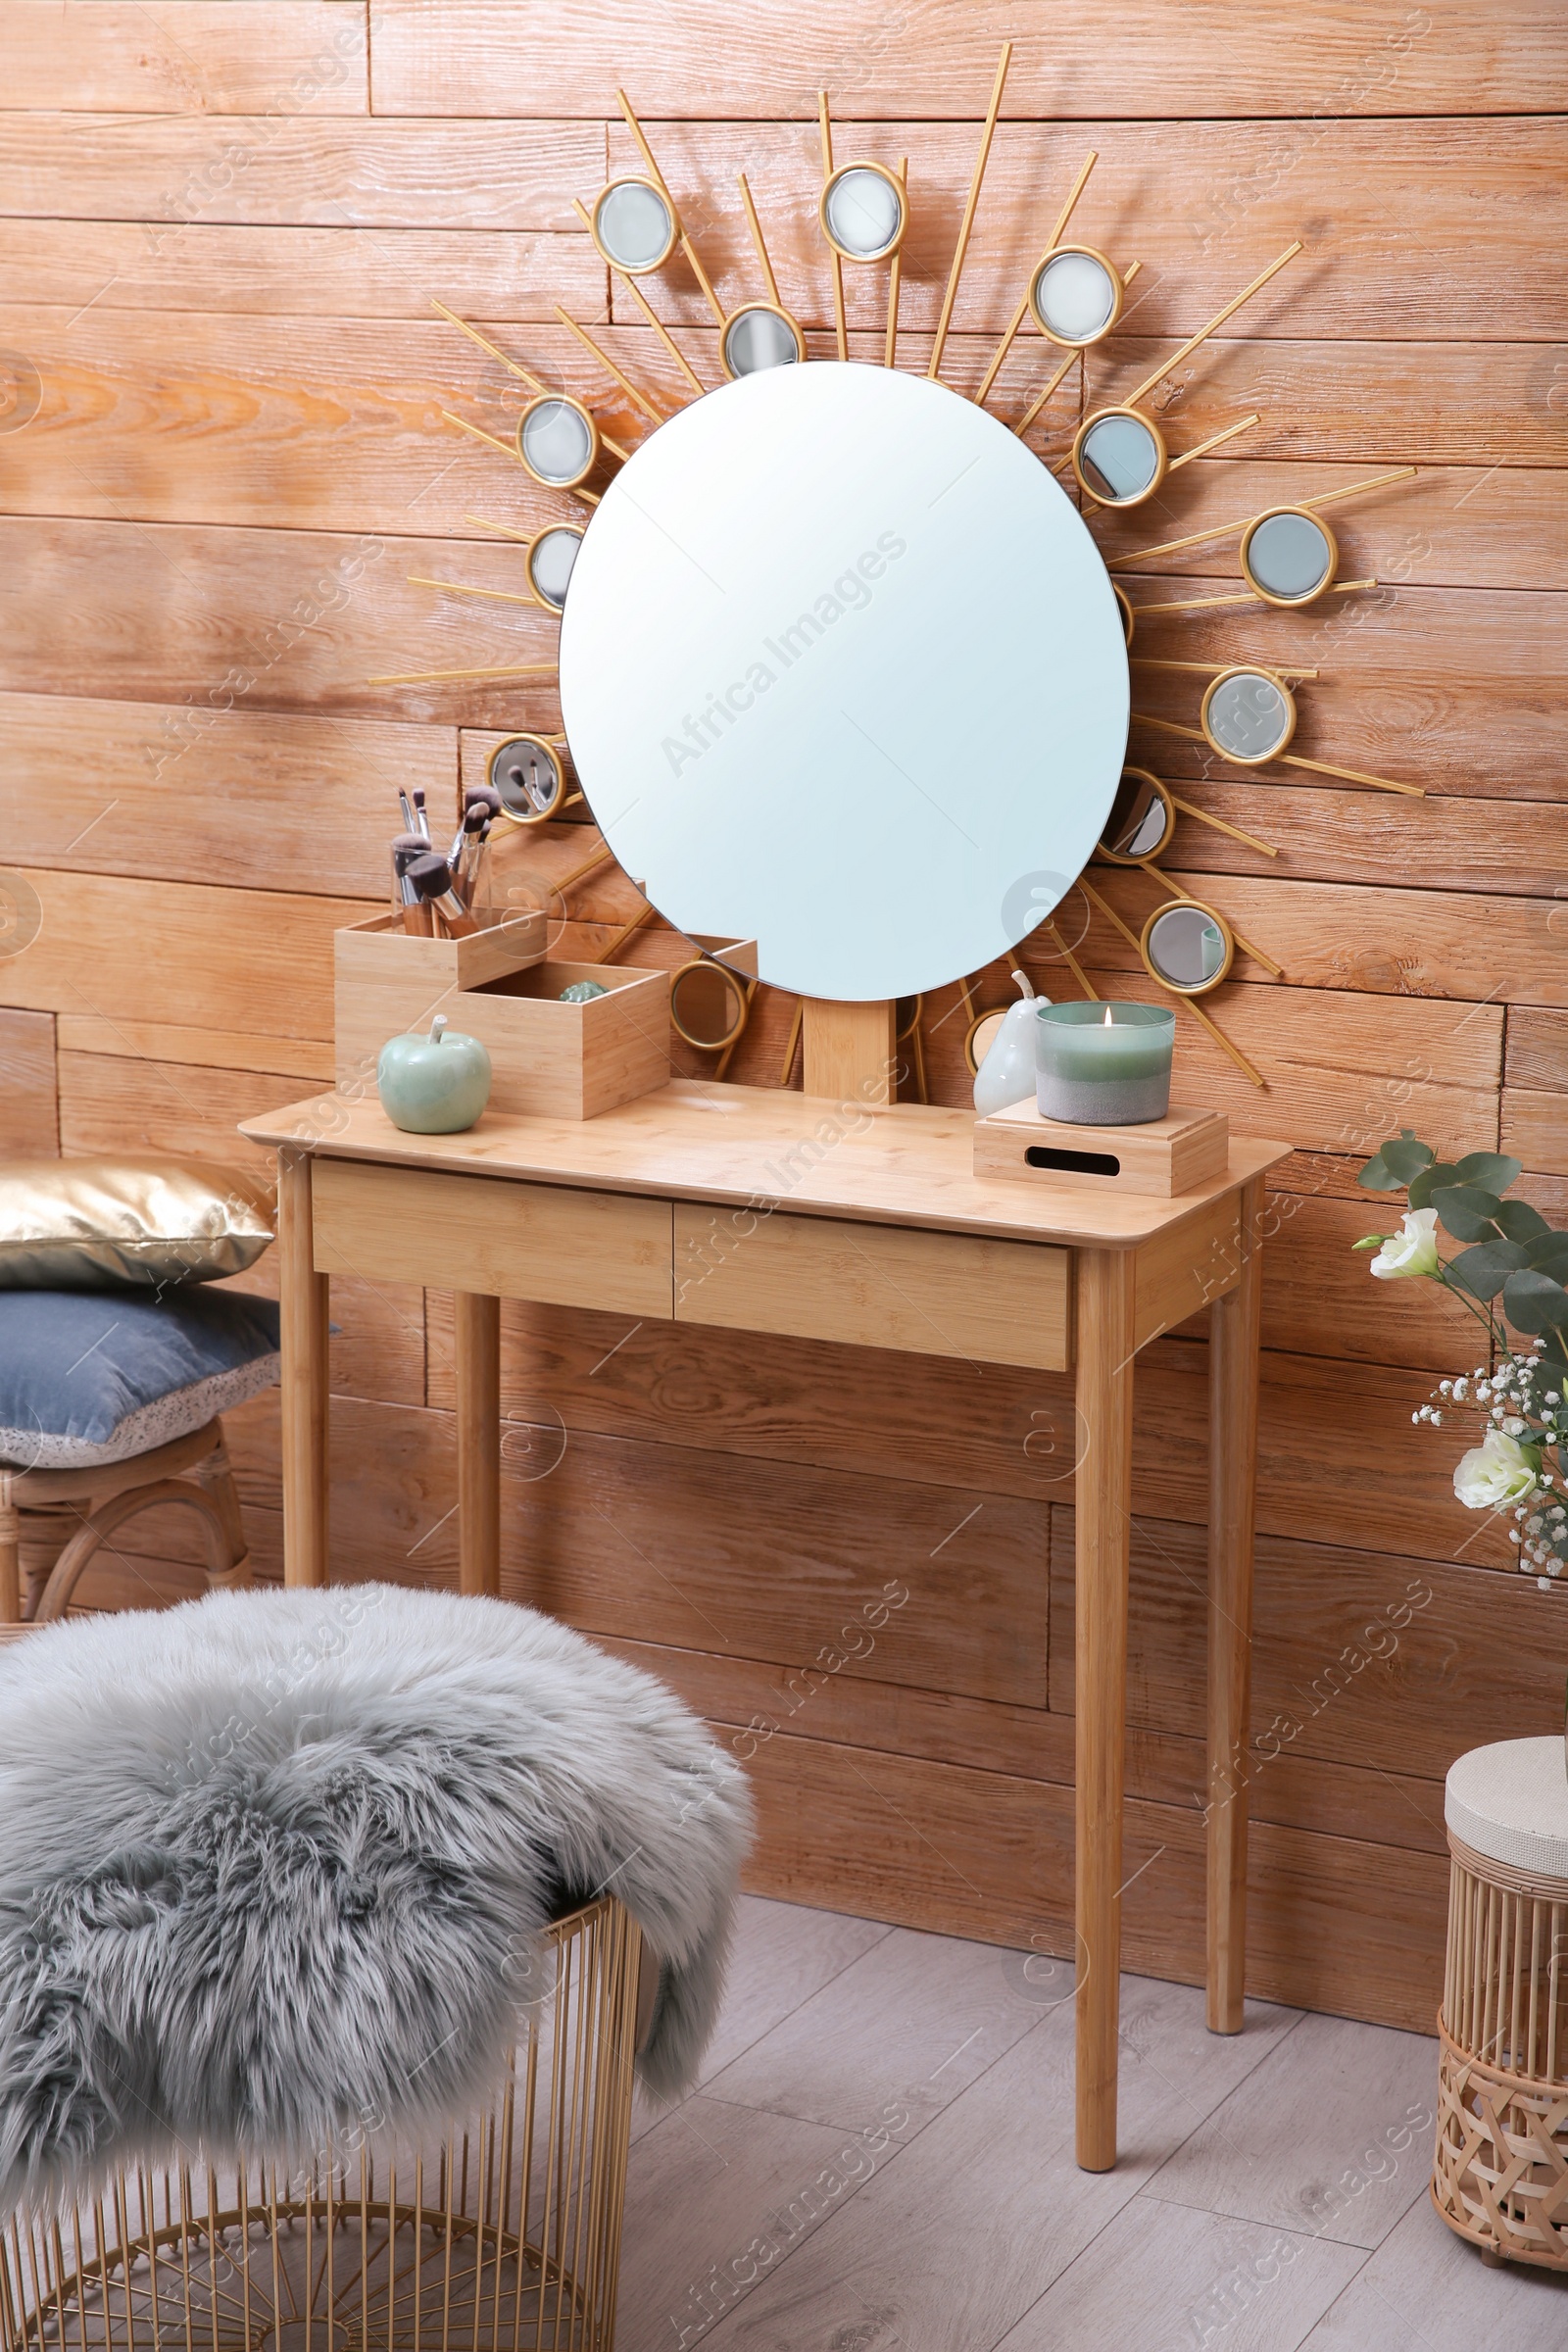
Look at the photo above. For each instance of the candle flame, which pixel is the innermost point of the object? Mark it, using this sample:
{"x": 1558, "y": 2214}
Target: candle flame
{"x": 1108, "y": 1017}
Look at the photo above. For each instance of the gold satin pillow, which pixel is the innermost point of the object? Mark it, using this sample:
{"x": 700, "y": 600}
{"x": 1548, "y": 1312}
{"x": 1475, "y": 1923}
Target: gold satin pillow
{"x": 143, "y": 1224}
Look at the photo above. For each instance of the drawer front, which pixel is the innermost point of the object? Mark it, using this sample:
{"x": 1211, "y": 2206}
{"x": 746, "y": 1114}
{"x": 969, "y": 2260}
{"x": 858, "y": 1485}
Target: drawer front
{"x": 480, "y": 1233}
{"x": 875, "y": 1286}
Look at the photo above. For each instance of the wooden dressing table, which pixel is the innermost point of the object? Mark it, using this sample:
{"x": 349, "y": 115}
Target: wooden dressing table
{"x": 782, "y": 1212}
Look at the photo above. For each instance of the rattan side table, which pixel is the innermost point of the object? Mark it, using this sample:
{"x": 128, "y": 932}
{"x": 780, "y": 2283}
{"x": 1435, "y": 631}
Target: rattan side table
{"x": 1500, "y": 2170}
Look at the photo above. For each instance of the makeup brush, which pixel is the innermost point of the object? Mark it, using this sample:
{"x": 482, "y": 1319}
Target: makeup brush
{"x": 417, "y": 918}
{"x": 467, "y": 855}
{"x": 422, "y": 823}
{"x": 485, "y": 794}
{"x": 407, "y": 805}
{"x": 431, "y": 877}
{"x": 405, "y": 846}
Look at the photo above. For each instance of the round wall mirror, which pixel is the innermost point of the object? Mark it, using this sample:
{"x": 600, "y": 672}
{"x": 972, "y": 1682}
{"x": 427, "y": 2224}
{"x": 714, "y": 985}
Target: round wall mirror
{"x": 707, "y": 1005}
{"x": 1142, "y": 820}
{"x": 633, "y": 227}
{"x": 765, "y": 668}
{"x": 863, "y": 212}
{"x": 1288, "y": 556}
{"x": 1188, "y": 947}
{"x": 530, "y": 776}
{"x": 551, "y": 558}
{"x": 1119, "y": 457}
{"x": 759, "y": 336}
{"x": 557, "y": 441}
{"x": 1248, "y": 715}
{"x": 1075, "y": 296}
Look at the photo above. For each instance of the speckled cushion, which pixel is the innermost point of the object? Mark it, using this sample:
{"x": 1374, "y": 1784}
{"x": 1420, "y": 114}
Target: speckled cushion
{"x": 1511, "y": 1803}
{"x": 97, "y": 1377}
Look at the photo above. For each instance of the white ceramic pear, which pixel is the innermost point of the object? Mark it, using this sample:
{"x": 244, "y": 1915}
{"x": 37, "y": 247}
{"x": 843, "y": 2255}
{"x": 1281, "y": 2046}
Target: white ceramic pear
{"x": 1008, "y": 1072}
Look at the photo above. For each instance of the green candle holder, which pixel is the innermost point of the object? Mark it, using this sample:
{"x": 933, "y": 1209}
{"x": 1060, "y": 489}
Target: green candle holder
{"x": 1104, "y": 1065}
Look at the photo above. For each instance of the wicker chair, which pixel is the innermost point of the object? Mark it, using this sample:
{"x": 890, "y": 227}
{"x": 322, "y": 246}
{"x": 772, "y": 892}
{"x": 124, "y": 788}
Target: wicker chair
{"x": 65, "y": 1515}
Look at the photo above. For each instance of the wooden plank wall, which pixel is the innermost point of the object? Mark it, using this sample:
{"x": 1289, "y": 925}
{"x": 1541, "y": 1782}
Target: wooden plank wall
{"x": 221, "y": 458}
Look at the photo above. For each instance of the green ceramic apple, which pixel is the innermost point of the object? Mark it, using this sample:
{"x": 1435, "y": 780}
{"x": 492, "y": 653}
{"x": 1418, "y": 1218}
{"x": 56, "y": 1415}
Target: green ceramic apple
{"x": 435, "y": 1085}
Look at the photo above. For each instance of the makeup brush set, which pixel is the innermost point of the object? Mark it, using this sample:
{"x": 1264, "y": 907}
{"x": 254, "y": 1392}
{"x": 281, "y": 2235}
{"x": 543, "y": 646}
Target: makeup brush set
{"x": 436, "y": 895}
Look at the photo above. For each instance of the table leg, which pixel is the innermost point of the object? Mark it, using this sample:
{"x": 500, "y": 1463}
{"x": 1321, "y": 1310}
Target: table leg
{"x": 1233, "y": 1348}
{"x": 478, "y": 1351}
{"x": 304, "y": 1296}
{"x": 1103, "y": 1500}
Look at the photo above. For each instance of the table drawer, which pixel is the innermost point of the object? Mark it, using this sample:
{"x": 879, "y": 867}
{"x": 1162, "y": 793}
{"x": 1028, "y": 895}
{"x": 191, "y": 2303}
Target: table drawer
{"x": 482, "y": 1233}
{"x": 875, "y": 1286}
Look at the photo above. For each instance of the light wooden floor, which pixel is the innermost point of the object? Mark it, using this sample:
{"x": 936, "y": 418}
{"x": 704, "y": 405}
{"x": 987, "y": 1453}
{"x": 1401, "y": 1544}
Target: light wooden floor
{"x": 879, "y": 2156}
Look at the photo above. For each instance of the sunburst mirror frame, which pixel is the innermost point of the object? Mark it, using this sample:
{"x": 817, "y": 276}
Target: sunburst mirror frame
{"x": 1075, "y": 299}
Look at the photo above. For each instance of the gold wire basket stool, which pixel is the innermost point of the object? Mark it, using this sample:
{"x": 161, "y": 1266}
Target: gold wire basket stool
{"x": 503, "y": 2235}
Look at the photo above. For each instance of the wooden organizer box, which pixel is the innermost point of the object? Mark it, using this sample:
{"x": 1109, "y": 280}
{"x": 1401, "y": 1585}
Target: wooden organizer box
{"x": 1164, "y": 1157}
{"x": 550, "y": 1059}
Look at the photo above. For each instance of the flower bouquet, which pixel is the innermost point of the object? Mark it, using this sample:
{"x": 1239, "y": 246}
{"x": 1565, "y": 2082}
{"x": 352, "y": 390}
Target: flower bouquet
{"x": 1511, "y": 1276}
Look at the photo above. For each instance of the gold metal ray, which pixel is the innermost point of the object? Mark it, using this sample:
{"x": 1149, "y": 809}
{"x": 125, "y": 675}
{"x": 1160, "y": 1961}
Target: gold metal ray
{"x": 967, "y": 222}
{"x": 1213, "y": 670}
{"x": 659, "y": 181}
{"x": 1197, "y": 1011}
{"x": 824, "y": 128}
{"x": 1226, "y": 433}
{"x": 1223, "y": 530}
{"x": 502, "y": 530}
{"x": 1218, "y": 320}
{"x": 1041, "y": 398}
{"x": 1017, "y": 320}
{"x": 1320, "y": 767}
{"x": 758, "y": 241}
{"x": 500, "y": 596}
{"x": 1072, "y": 963}
{"x": 631, "y": 390}
{"x": 896, "y": 275}
{"x": 429, "y": 677}
{"x": 1249, "y": 596}
{"x": 485, "y": 344}
{"x": 641, "y": 301}
{"x": 1218, "y": 824}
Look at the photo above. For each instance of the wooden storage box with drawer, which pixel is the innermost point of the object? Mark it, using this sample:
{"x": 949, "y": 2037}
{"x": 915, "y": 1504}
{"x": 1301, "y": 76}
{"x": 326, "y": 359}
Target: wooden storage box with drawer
{"x": 875, "y": 1286}
{"x": 550, "y": 1059}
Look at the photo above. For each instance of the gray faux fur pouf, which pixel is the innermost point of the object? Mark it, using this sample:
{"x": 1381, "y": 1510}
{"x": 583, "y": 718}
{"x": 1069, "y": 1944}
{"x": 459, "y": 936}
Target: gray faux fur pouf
{"x": 272, "y": 1864}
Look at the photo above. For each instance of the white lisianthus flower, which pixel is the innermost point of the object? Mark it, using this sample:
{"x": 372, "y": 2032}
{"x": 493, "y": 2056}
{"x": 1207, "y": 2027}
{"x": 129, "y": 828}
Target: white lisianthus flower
{"x": 1499, "y": 1470}
{"x": 1413, "y": 1252}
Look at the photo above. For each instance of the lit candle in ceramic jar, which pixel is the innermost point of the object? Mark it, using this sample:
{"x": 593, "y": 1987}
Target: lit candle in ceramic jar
{"x": 1104, "y": 1065}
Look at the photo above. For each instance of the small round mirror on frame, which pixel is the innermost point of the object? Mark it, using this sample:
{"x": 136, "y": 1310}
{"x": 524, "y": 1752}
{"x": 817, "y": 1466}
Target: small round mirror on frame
{"x": 863, "y": 212}
{"x": 1142, "y": 820}
{"x": 551, "y": 558}
{"x": 557, "y": 441}
{"x": 759, "y": 335}
{"x": 707, "y": 1005}
{"x": 1248, "y": 715}
{"x": 1119, "y": 457}
{"x": 1075, "y": 296}
{"x": 531, "y": 777}
{"x": 634, "y": 226}
{"x": 1188, "y": 947}
{"x": 1288, "y": 556}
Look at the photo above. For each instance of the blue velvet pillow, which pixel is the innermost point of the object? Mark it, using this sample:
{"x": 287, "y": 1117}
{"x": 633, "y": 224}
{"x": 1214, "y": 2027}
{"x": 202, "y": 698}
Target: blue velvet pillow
{"x": 91, "y": 1377}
